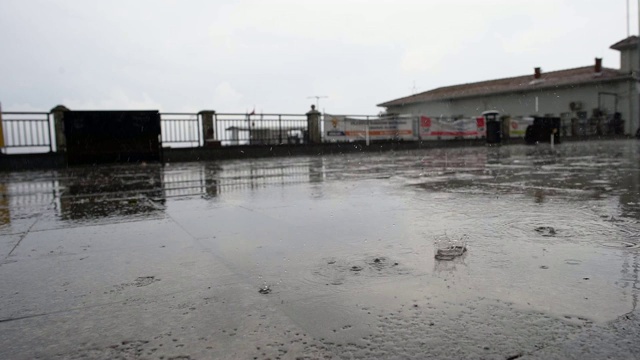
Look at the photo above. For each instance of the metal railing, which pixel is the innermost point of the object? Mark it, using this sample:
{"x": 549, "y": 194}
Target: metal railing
{"x": 33, "y": 132}
{"x": 27, "y": 132}
{"x": 260, "y": 129}
{"x": 180, "y": 130}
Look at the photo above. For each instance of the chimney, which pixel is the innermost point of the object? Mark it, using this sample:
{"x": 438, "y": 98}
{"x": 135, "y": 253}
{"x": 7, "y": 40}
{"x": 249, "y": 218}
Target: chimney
{"x": 598, "y": 67}
{"x": 538, "y": 73}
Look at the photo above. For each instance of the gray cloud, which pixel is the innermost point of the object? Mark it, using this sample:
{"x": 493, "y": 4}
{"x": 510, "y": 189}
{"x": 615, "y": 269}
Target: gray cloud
{"x": 233, "y": 55}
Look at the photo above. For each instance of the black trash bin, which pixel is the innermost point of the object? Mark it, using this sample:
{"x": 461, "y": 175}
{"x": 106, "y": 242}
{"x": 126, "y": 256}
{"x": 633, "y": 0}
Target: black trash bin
{"x": 494, "y": 127}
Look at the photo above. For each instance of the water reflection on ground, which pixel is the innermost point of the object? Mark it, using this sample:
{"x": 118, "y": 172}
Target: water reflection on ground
{"x": 570, "y": 172}
{"x": 345, "y": 243}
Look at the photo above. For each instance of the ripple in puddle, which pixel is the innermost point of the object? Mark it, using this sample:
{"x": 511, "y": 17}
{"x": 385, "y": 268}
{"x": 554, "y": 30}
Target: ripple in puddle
{"x": 338, "y": 271}
{"x": 620, "y": 245}
{"x": 573, "y": 262}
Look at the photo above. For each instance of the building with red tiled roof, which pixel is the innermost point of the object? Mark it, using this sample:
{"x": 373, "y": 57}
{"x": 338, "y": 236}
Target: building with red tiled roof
{"x": 570, "y": 93}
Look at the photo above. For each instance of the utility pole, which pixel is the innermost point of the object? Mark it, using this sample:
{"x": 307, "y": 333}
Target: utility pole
{"x": 414, "y": 89}
{"x": 318, "y": 97}
{"x": 628, "y": 25}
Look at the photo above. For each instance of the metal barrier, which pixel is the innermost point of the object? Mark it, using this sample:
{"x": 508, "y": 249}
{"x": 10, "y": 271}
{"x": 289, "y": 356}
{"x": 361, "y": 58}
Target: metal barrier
{"x": 260, "y": 129}
{"x": 180, "y": 130}
{"x": 27, "y": 132}
{"x": 33, "y": 132}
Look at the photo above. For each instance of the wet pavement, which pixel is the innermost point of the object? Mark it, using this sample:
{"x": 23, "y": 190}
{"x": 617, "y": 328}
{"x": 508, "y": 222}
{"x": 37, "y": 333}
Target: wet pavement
{"x": 327, "y": 257}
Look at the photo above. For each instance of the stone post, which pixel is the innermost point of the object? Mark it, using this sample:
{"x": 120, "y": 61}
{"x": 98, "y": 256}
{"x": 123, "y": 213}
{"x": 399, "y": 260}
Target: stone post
{"x": 313, "y": 126}
{"x": 208, "y": 128}
{"x": 58, "y": 126}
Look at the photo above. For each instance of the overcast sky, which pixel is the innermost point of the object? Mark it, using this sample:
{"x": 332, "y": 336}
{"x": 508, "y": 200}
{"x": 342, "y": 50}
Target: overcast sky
{"x": 229, "y": 56}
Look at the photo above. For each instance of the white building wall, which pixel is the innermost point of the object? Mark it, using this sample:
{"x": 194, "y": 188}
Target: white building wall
{"x": 628, "y": 105}
{"x": 550, "y": 101}
{"x": 629, "y": 60}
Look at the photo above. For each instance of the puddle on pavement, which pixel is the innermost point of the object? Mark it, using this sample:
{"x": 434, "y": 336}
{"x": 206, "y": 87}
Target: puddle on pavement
{"x": 326, "y": 231}
{"x": 338, "y": 271}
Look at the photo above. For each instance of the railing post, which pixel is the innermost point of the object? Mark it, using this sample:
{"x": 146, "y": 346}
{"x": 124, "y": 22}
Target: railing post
{"x": 58, "y": 126}
{"x": 208, "y": 132}
{"x": 279, "y": 129}
{"x": 249, "y": 127}
{"x": 1, "y": 132}
{"x": 313, "y": 126}
{"x": 366, "y": 137}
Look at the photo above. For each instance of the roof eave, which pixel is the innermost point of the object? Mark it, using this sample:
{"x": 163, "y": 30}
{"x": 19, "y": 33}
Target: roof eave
{"x": 391, "y": 103}
{"x": 630, "y": 41}
{"x": 624, "y": 46}
{"x": 500, "y": 92}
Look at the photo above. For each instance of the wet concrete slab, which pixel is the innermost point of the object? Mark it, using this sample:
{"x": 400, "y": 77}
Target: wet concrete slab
{"x": 220, "y": 322}
{"x": 8, "y": 243}
{"x": 167, "y": 261}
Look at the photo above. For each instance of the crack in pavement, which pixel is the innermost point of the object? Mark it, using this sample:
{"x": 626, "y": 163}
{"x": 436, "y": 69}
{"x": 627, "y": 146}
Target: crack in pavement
{"x": 23, "y": 236}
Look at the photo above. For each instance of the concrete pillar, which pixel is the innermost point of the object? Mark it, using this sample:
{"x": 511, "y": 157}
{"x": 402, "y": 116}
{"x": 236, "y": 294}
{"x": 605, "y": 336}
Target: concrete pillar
{"x": 313, "y": 126}
{"x": 208, "y": 128}
{"x": 58, "y": 126}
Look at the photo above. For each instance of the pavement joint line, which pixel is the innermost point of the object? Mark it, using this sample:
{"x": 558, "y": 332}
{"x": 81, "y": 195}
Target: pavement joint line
{"x": 245, "y": 276}
{"x": 22, "y": 237}
{"x": 13, "y": 234}
{"x": 80, "y": 225}
{"x": 157, "y": 296}
{"x": 198, "y": 242}
{"x": 82, "y": 254}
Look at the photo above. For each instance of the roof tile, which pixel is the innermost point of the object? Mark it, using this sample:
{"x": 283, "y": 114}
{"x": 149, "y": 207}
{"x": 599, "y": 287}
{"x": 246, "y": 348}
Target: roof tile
{"x": 551, "y": 79}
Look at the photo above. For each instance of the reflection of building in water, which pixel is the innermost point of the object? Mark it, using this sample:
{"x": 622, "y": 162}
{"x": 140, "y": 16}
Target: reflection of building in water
{"x": 31, "y": 194}
{"x": 22, "y": 198}
{"x": 189, "y": 181}
{"x": 125, "y": 191}
{"x": 91, "y": 193}
{"x": 82, "y": 194}
{"x": 446, "y": 159}
{"x": 259, "y": 176}
{"x": 211, "y": 180}
{"x": 5, "y": 211}
{"x": 629, "y": 205}
{"x": 630, "y": 199}
{"x": 317, "y": 170}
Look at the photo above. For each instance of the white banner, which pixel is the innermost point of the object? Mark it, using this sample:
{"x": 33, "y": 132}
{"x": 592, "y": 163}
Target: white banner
{"x": 341, "y": 128}
{"x": 433, "y": 128}
{"x": 518, "y": 126}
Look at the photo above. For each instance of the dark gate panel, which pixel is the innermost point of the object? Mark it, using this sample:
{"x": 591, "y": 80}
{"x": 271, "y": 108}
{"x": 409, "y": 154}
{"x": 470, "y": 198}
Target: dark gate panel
{"x": 112, "y": 136}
